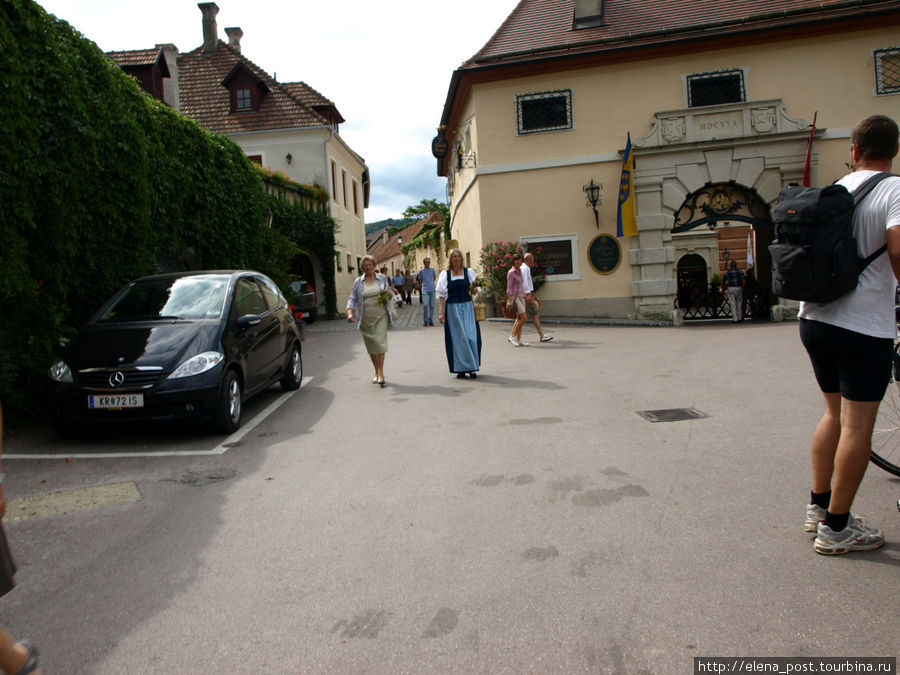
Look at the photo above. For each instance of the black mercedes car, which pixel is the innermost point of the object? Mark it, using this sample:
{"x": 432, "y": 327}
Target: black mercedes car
{"x": 181, "y": 346}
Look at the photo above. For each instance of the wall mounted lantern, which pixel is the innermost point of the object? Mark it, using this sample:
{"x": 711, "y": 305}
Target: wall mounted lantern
{"x": 592, "y": 192}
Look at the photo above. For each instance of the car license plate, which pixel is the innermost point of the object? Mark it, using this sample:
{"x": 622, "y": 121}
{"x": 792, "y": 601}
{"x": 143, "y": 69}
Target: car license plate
{"x": 116, "y": 401}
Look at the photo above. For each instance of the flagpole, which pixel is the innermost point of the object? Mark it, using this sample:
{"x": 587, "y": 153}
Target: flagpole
{"x": 806, "y": 168}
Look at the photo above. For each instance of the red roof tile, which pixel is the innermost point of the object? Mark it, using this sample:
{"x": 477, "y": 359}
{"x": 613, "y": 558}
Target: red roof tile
{"x": 136, "y": 57}
{"x": 538, "y": 28}
{"x": 391, "y": 247}
{"x": 309, "y": 96}
{"x": 203, "y": 98}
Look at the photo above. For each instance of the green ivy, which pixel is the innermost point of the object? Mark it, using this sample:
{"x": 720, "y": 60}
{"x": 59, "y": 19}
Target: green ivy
{"x": 100, "y": 183}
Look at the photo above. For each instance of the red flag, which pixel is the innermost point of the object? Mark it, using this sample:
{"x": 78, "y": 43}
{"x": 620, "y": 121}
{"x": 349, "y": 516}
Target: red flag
{"x": 809, "y": 151}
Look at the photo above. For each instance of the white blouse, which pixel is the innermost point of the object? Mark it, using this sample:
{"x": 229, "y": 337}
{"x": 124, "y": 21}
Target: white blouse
{"x": 445, "y": 278}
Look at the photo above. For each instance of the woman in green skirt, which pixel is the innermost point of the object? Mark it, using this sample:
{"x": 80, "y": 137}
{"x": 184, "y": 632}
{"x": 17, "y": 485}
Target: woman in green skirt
{"x": 369, "y": 306}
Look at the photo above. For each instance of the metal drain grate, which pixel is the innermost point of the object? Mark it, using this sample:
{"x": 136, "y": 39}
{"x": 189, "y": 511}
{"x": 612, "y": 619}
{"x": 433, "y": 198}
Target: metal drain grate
{"x": 671, "y": 414}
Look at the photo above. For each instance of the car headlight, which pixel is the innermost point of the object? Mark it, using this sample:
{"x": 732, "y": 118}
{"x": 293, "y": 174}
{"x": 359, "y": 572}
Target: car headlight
{"x": 198, "y": 364}
{"x": 60, "y": 372}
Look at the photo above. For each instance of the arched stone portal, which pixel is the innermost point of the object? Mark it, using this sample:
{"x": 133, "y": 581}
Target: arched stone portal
{"x": 695, "y": 149}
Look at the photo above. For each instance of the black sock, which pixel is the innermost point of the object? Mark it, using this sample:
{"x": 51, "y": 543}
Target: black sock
{"x": 836, "y": 521}
{"x": 820, "y": 499}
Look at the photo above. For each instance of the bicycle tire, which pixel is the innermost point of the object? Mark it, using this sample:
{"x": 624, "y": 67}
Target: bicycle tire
{"x": 886, "y": 435}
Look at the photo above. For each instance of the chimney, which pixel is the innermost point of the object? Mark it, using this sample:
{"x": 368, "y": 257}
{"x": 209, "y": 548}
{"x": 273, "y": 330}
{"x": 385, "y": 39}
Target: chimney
{"x": 210, "y": 37}
{"x": 234, "y": 38}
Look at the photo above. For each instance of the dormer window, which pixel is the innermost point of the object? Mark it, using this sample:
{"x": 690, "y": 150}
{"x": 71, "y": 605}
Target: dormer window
{"x": 246, "y": 90}
{"x": 588, "y": 14}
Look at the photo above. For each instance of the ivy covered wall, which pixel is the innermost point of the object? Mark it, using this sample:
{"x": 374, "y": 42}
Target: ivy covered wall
{"x": 100, "y": 183}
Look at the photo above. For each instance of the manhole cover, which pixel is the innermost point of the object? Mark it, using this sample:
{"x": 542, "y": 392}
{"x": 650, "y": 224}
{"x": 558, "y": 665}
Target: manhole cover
{"x": 671, "y": 414}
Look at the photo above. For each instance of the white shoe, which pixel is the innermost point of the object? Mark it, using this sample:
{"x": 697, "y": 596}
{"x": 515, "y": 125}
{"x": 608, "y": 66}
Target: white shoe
{"x": 855, "y": 537}
{"x": 513, "y": 341}
{"x": 522, "y": 344}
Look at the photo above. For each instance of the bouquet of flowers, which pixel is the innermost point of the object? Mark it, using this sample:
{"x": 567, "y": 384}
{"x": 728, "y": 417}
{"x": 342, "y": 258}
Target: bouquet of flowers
{"x": 383, "y": 298}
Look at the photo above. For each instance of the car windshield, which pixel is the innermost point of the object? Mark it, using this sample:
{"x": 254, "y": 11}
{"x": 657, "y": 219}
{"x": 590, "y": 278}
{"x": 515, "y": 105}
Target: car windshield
{"x": 194, "y": 297}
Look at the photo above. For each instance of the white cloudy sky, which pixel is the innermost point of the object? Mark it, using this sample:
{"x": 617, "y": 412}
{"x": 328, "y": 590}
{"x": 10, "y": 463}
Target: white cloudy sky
{"x": 386, "y": 64}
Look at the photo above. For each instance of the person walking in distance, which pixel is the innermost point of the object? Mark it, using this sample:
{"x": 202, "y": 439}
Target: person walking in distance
{"x": 408, "y": 284}
{"x": 398, "y": 281}
{"x": 734, "y": 285}
{"x": 515, "y": 299}
{"x": 850, "y": 345}
{"x": 532, "y": 304}
{"x": 427, "y": 278}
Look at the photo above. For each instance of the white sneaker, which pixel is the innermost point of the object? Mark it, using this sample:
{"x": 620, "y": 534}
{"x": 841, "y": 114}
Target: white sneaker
{"x": 814, "y": 516}
{"x": 513, "y": 341}
{"x": 522, "y": 344}
{"x": 854, "y": 537}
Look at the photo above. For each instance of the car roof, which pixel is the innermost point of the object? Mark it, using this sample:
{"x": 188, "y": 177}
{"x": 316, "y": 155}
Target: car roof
{"x": 196, "y": 273}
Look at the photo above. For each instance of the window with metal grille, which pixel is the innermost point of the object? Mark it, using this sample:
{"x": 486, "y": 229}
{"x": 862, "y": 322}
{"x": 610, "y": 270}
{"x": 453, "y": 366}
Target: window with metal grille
{"x": 243, "y": 99}
{"x": 546, "y": 111}
{"x": 887, "y": 71}
{"x": 721, "y": 86}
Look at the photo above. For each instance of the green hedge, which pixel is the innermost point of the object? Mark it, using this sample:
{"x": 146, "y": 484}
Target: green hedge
{"x": 100, "y": 183}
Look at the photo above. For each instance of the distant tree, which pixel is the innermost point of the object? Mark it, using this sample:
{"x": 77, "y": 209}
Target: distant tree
{"x": 424, "y": 207}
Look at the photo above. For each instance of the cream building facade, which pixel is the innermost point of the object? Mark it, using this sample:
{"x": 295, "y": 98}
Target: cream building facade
{"x": 717, "y": 98}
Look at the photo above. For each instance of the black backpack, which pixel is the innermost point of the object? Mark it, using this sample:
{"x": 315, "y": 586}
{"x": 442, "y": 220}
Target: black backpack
{"x": 814, "y": 255}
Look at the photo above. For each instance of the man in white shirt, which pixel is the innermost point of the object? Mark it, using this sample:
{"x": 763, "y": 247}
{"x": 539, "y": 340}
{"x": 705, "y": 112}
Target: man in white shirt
{"x": 850, "y": 344}
{"x": 532, "y": 306}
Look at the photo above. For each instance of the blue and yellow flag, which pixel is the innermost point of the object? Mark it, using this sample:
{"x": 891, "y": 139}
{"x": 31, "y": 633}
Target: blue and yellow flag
{"x": 626, "y": 219}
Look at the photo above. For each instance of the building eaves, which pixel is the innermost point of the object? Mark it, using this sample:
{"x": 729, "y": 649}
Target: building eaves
{"x": 312, "y": 98}
{"x": 543, "y": 28}
{"x": 140, "y": 57}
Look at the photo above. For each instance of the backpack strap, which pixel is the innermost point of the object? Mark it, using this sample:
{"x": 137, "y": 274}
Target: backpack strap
{"x": 858, "y": 195}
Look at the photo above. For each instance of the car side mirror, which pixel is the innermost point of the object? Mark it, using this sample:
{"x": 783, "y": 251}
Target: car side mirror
{"x": 244, "y": 322}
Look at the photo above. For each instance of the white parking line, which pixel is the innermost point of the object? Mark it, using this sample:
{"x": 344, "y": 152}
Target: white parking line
{"x": 220, "y": 449}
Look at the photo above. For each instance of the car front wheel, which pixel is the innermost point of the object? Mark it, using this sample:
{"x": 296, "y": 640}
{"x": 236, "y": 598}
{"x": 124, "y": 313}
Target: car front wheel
{"x": 228, "y": 415}
{"x": 293, "y": 376}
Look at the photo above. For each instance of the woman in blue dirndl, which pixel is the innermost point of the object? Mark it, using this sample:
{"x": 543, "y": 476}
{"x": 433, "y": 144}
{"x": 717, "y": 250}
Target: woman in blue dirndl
{"x": 462, "y": 335}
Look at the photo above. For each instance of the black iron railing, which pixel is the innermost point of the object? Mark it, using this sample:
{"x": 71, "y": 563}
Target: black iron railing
{"x": 710, "y": 302}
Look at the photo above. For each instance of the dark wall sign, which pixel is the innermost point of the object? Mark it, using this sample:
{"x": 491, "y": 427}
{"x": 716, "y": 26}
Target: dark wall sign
{"x": 555, "y": 256}
{"x": 604, "y": 254}
{"x": 440, "y": 146}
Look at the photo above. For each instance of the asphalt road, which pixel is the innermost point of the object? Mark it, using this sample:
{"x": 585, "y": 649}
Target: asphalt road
{"x": 527, "y": 521}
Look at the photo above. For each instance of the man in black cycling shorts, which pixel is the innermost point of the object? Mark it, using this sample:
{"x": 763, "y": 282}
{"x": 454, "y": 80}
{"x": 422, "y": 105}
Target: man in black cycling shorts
{"x": 850, "y": 342}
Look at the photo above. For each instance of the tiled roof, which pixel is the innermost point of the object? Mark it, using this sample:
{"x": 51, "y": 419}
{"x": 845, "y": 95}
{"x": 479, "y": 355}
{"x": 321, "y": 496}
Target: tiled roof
{"x": 203, "y": 98}
{"x": 309, "y": 96}
{"x": 136, "y": 57}
{"x": 391, "y": 247}
{"x": 541, "y": 28}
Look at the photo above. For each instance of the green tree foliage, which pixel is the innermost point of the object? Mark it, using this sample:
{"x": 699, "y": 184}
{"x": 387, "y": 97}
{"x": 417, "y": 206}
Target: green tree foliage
{"x": 426, "y": 206}
{"x": 100, "y": 183}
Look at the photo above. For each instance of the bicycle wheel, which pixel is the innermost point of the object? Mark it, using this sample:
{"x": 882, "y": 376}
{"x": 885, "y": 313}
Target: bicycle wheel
{"x": 886, "y": 435}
